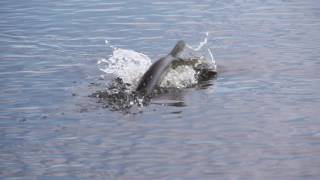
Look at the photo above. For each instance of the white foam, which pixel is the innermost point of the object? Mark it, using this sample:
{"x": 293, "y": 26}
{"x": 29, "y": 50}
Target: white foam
{"x": 181, "y": 77}
{"x": 126, "y": 64}
{"x": 130, "y": 65}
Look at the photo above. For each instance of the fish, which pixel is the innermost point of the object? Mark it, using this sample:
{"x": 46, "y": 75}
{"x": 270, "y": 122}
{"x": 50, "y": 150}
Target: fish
{"x": 157, "y": 71}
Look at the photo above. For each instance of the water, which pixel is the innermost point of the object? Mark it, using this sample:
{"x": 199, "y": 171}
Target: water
{"x": 259, "y": 119}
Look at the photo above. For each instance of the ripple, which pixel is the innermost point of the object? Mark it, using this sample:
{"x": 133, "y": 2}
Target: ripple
{"x": 260, "y": 114}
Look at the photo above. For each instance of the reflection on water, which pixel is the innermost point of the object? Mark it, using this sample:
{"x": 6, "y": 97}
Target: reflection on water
{"x": 257, "y": 121}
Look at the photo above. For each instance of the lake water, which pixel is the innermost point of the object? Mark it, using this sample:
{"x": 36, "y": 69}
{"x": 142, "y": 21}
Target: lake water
{"x": 259, "y": 119}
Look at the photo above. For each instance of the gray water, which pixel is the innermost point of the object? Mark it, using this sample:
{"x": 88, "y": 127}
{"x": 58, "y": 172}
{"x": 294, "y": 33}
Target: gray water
{"x": 259, "y": 119}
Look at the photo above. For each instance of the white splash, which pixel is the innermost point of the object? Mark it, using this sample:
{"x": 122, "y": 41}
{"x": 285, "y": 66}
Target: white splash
{"x": 185, "y": 75}
{"x": 202, "y": 43}
{"x": 181, "y": 77}
{"x": 126, "y": 64}
{"x": 130, "y": 65}
{"x": 200, "y": 49}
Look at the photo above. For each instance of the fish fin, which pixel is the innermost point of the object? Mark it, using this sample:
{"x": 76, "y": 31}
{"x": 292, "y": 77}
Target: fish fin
{"x": 178, "y": 48}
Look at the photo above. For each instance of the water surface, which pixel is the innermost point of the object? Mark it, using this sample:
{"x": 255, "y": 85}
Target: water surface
{"x": 259, "y": 119}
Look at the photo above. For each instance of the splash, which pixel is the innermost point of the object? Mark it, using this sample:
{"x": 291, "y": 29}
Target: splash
{"x": 125, "y": 68}
{"x": 130, "y": 65}
{"x": 180, "y": 77}
{"x": 185, "y": 75}
{"x": 118, "y": 97}
{"x": 202, "y": 43}
{"x": 204, "y": 52}
{"x": 126, "y": 64}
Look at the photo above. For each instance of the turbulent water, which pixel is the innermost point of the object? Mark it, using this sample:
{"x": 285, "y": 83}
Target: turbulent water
{"x": 257, "y": 120}
{"x": 129, "y": 66}
{"x": 126, "y": 64}
{"x": 124, "y": 70}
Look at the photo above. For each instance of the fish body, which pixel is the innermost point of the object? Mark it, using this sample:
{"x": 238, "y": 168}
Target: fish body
{"x": 153, "y": 76}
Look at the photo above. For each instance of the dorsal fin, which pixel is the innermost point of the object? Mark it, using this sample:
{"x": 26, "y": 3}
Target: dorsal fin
{"x": 178, "y": 48}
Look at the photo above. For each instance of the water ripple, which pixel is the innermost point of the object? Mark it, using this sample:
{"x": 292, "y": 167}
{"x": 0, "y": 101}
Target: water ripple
{"x": 257, "y": 121}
